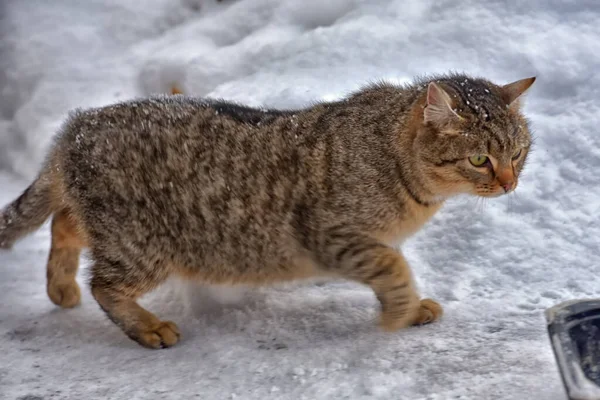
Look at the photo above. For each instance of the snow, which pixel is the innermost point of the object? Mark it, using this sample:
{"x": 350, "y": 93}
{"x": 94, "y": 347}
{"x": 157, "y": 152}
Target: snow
{"x": 494, "y": 265}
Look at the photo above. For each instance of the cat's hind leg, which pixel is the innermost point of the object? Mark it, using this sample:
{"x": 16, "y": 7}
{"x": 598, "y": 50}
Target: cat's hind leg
{"x": 63, "y": 261}
{"x": 116, "y": 286}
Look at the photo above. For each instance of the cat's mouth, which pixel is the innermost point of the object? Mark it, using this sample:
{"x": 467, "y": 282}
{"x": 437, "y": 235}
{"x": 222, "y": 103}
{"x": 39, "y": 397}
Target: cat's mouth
{"x": 493, "y": 190}
{"x": 493, "y": 194}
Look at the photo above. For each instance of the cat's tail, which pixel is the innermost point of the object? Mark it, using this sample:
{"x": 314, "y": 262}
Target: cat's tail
{"x": 27, "y": 213}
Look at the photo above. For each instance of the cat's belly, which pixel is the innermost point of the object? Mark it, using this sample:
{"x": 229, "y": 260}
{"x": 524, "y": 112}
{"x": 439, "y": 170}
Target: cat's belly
{"x": 263, "y": 272}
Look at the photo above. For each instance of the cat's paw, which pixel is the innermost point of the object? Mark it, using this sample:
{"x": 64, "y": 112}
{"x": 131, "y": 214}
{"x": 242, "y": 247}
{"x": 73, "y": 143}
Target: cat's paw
{"x": 429, "y": 311}
{"x": 64, "y": 294}
{"x": 162, "y": 335}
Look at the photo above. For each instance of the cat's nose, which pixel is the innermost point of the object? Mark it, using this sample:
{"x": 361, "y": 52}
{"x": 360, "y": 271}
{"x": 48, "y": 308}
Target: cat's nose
{"x": 508, "y": 186}
{"x": 506, "y": 178}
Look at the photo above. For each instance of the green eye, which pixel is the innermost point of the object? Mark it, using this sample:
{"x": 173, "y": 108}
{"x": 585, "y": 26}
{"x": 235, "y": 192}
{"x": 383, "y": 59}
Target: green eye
{"x": 478, "y": 160}
{"x": 517, "y": 154}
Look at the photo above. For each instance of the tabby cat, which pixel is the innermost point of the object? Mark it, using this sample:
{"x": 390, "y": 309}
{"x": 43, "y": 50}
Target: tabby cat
{"x": 223, "y": 193}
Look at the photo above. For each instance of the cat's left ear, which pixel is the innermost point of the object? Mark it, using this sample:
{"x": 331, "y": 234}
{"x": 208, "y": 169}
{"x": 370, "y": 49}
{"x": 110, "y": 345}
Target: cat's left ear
{"x": 512, "y": 91}
{"x": 438, "y": 109}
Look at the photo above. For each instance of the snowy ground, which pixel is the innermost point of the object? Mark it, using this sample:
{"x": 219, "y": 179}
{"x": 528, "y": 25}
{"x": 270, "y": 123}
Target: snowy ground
{"x": 494, "y": 266}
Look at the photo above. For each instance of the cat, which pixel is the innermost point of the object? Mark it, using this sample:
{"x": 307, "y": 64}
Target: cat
{"x": 223, "y": 193}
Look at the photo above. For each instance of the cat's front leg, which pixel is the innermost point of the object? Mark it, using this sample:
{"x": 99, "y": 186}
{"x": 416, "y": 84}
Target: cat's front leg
{"x": 385, "y": 270}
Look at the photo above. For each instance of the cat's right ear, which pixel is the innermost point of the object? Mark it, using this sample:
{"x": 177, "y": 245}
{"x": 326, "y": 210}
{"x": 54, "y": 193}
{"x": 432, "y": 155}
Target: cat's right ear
{"x": 438, "y": 109}
{"x": 513, "y": 91}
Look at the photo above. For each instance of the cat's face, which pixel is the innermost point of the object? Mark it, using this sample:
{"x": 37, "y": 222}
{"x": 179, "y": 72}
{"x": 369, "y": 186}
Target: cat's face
{"x": 474, "y": 138}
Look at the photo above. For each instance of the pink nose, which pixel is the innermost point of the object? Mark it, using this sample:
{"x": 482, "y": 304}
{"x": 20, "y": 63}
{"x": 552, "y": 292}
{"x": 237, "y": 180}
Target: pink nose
{"x": 508, "y": 186}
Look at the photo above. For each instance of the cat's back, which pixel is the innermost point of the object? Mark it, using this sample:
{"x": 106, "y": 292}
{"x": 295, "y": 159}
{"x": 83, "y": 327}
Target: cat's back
{"x": 160, "y": 123}
{"x": 127, "y": 122}
{"x": 179, "y": 167}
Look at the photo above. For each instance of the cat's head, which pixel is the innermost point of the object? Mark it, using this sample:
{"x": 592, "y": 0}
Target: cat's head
{"x": 472, "y": 137}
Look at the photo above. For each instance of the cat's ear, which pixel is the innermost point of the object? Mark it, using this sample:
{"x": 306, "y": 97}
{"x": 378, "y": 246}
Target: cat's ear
{"x": 512, "y": 91}
{"x": 438, "y": 109}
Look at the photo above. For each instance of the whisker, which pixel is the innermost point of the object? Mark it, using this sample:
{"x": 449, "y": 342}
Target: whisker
{"x": 481, "y": 203}
{"x": 515, "y": 198}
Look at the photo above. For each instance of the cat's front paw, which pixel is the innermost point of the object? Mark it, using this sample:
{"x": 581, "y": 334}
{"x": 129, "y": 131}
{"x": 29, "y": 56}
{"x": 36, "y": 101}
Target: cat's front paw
{"x": 429, "y": 311}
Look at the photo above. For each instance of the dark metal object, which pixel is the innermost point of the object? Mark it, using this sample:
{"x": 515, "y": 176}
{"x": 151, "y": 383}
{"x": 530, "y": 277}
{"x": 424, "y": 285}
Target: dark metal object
{"x": 574, "y": 329}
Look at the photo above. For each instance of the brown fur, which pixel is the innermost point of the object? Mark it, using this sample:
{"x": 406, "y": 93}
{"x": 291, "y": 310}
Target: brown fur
{"x": 63, "y": 261}
{"x": 223, "y": 193}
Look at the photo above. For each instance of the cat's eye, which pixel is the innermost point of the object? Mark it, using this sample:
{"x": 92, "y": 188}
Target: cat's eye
{"x": 517, "y": 154}
{"x": 479, "y": 160}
